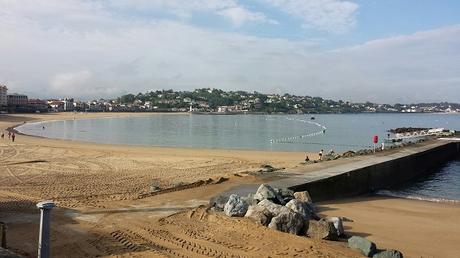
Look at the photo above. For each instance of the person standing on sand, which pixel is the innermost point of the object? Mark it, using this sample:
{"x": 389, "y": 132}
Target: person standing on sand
{"x": 321, "y": 155}
{"x": 3, "y": 135}
{"x": 12, "y": 137}
{"x": 307, "y": 158}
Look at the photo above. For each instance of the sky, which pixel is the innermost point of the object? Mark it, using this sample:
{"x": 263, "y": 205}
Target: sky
{"x": 384, "y": 51}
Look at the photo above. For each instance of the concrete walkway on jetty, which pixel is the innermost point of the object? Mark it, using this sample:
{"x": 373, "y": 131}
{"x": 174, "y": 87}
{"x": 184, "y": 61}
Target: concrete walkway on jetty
{"x": 367, "y": 173}
{"x": 371, "y": 160}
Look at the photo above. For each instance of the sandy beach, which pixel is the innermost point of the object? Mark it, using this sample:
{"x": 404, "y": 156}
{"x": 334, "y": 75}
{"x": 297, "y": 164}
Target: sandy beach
{"x": 417, "y": 228}
{"x": 104, "y": 206}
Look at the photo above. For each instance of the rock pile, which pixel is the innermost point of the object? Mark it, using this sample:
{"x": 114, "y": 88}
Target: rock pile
{"x": 369, "y": 248}
{"x": 293, "y": 213}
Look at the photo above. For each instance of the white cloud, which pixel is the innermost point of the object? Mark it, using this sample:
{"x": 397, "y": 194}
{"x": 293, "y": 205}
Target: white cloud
{"x": 239, "y": 16}
{"x": 65, "y": 81}
{"x": 56, "y": 56}
{"x": 231, "y": 9}
{"x": 337, "y": 16}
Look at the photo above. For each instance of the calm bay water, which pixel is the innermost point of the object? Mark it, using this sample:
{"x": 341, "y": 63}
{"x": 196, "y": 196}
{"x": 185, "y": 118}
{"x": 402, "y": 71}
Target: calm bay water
{"x": 443, "y": 185}
{"x": 340, "y": 132}
{"x": 278, "y": 132}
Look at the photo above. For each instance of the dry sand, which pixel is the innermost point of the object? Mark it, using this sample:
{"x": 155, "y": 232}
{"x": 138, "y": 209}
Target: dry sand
{"x": 104, "y": 208}
{"x": 83, "y": 174}
{"x": 417, "y": 228}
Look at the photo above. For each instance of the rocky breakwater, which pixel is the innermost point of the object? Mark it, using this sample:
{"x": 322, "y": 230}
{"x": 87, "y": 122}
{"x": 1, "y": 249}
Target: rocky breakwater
{"x": 293, "y": 213}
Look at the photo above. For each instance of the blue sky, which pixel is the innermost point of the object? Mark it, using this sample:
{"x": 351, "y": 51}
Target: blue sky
{"x": 359, "y": 50}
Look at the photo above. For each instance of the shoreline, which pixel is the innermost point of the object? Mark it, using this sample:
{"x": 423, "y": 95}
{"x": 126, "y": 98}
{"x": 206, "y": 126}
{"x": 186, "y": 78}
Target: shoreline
{"x": 127, "y": 114}
{"x": 390, "y": 193}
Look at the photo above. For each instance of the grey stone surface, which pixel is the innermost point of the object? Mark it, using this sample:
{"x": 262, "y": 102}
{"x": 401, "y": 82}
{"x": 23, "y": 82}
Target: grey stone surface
{"x": 235, "y": 206}
{"x": 274, "y": 209}
{"x": 267, "y": 168}
{"x": 388, "y": 254}
{"x": 366, "y": 247}
{"x": 322, "y": 229}
{"x": 289, "y": 222}
{"x": 250, "y": 199}
{"x": 338, "y": 224}
{"x": 218, "y": 202}
{"x": 286, "y": 194}
{"x": 267, "y": 192}
{"x": 303, "y": 196}
{"x": 299, "y": 207}
{"x": 259, "y": 215}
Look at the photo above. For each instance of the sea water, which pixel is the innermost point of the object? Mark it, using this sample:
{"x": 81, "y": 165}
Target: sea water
{"x": 338, "y": 132}
{"x": 442, "y": 185}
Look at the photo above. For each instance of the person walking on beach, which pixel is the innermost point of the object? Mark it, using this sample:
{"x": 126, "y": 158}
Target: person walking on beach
{"x": 321, "y": 155}
{"x": 3, "y": 135}
{"x": 307, "y": 158}
{"x": 9, "y": 135}
{"x": 13, "y": 137}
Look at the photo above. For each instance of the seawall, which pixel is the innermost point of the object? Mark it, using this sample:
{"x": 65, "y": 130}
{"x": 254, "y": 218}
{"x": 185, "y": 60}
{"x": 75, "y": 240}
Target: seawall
{"x": 373, "y": 174}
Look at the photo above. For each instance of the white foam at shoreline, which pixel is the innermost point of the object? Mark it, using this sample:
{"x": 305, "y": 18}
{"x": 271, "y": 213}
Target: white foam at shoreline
{"x": 416, "y": 197}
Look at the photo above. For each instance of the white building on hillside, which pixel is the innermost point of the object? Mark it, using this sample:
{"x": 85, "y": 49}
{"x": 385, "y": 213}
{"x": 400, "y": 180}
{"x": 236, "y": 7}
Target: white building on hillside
{"x": 3, "y": 95}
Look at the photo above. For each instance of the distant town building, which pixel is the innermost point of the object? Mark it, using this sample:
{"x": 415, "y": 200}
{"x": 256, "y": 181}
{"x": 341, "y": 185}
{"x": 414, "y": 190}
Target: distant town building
{"x": 38, "y": 105}
{"x": 56, "y": 105}
{"x": 3, "y": 96}
{"x": 17, "y": 100}
{"x": 68, "y": 104}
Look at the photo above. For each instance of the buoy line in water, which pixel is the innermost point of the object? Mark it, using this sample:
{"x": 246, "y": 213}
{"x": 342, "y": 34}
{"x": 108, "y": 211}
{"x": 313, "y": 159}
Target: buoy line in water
{"x": 292, "y": 138}
{"x": 327, "y": 144}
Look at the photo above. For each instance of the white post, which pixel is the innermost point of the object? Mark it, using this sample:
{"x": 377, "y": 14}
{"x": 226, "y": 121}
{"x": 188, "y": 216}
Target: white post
{"x": 44, "y": 237}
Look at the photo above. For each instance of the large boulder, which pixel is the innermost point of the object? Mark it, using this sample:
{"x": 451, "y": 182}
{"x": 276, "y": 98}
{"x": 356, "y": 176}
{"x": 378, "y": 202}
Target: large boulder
{"x": 217, "y": 203}
{"x": 303, "y": 196}
{"x": 388, "y": 254}
{"x": 289, "y": 222}
{"x": 366, "y": 247}
{"x": 322, "y": 229}
{"x": 250, "y": 199}
{"x": 274, "y": 209}
{"x": 266, "y": 192}
{"x": 338, "y": 224}
{"x": 235, "y": 206}
{"x": 299, "y": 207}
{"x": 286, "y": 194}
{"x": 259, "y": 215}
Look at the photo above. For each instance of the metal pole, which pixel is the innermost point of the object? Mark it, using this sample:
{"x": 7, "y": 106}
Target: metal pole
{"x": 3, "y": 234}
{"x": 44, "y": 237}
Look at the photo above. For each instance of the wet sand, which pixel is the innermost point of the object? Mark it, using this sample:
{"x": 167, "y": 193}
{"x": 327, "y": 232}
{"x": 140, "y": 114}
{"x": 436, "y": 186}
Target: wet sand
{"x": 104, "y": 208}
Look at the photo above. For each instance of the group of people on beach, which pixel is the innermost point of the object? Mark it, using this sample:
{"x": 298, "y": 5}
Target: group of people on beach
{"x": 320, "y": 154}
{"x": 11, "y": 136}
